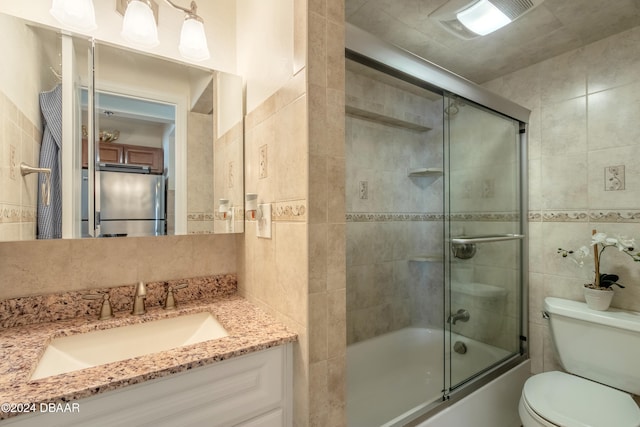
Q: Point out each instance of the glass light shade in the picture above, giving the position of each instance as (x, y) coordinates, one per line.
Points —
(139, 25)
(483, 18)
(77, 14)
(193, 40)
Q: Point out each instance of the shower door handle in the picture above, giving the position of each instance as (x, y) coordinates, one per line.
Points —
(486, 239)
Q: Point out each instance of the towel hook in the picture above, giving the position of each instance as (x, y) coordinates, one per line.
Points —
(25, 169)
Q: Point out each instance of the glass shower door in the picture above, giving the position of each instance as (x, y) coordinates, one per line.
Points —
(484, 232)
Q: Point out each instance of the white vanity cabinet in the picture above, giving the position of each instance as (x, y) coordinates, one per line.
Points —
(254, 390)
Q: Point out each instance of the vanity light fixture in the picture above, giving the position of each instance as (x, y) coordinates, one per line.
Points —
(76, 14)
(193, 40)
(139, 27)
(139, 24)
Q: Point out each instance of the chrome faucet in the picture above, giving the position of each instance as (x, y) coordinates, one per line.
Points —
(461, 315)
(138, 299)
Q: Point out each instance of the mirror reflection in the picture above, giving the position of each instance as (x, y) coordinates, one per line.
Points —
(169, 127)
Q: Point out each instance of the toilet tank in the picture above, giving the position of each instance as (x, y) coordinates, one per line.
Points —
(603, 346)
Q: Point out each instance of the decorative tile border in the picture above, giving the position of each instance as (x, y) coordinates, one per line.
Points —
(294, 210)
(486, 216)
(15, 214)
(387, 217)
(201, 216)
(621, 216)
(470, 216)
(565, 216)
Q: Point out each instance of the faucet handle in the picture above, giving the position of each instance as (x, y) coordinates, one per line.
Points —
(139, 295)
(141, 290)
(106, 312)
(170, 301)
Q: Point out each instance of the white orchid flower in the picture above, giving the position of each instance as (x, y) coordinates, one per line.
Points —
(598, 238)
(624, 243)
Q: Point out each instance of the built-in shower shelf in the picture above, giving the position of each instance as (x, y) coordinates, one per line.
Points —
(384, 119)
(426, 172)
(427, 258)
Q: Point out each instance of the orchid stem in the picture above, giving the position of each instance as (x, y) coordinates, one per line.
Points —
(596, 257)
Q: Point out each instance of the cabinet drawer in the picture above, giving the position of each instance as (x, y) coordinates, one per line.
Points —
(227, 393)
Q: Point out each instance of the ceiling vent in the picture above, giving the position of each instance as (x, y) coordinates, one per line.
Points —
(453, 13)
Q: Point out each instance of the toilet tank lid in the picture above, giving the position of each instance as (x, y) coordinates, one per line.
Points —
(616, 318)
(568, 400)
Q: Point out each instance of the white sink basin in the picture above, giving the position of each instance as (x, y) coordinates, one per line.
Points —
(72, 353)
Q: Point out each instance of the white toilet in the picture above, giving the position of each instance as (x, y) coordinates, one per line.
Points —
(597, 348)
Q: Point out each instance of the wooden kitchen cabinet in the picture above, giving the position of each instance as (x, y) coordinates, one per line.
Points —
(146, 156)
(109, 153)
(128, 154)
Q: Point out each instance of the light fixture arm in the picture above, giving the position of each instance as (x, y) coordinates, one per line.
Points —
(191, 13)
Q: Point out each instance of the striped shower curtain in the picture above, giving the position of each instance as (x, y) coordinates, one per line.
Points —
(50, 217)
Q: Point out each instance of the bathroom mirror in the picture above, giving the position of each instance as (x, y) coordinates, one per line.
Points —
(182, 122)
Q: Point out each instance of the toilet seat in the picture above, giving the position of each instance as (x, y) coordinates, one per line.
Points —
(566, 400)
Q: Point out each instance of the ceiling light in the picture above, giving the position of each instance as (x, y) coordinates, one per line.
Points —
(469, 19)
(483, 18)
(77, 14)
(139, 24)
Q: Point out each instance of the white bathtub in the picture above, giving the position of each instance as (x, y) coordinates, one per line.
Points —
(394, 375)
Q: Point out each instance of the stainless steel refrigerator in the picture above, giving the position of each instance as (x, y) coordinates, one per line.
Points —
(131, 203)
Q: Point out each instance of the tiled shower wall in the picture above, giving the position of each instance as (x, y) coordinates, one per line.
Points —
(392, 217)
(585, 104)
(483, 171)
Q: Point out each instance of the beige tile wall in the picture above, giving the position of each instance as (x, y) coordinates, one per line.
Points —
(584, 105)
(327, 269)
(19, 142)
(273, 272)
(228, 179)
(386, 291)
(299, 275)
(200, 203)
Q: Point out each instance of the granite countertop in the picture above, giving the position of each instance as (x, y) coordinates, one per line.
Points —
(21, 347)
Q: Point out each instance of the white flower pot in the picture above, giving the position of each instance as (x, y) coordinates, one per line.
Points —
(598, 299)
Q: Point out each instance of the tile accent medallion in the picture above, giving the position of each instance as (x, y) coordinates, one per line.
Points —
(614, 178)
